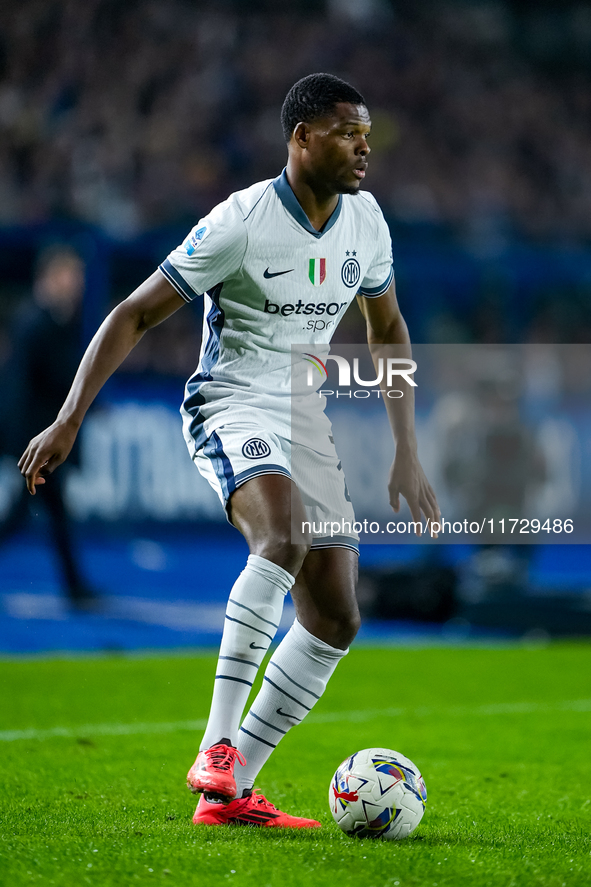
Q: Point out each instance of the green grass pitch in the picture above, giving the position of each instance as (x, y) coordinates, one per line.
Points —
(94, 753)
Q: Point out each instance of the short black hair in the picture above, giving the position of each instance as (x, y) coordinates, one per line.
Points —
(313, 97)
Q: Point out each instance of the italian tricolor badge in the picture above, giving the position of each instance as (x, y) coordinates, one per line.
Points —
(317, 271)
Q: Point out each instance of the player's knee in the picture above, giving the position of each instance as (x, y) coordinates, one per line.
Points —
(281, 550)
(346, 627)
(338, 629)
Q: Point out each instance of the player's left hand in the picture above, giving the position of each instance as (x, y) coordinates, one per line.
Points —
(45, 452)
(408, 479)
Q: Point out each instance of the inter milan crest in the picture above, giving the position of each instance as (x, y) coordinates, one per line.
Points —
(350, 272)
(317, 271)
(255, 448)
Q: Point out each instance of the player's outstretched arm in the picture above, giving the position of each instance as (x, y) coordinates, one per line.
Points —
(150, 304)
(386, 326)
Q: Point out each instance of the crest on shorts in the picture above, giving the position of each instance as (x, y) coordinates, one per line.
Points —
(256, 448)
(317, 271)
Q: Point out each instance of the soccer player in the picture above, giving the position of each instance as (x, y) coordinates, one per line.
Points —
(278, 263)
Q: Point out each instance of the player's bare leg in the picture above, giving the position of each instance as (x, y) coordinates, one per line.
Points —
(324, 596)
(263, 510)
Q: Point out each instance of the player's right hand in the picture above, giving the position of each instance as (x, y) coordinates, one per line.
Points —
(45, 452)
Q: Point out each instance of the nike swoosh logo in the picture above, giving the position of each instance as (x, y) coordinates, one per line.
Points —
(269, 274)
(253, 646)
(286, 714)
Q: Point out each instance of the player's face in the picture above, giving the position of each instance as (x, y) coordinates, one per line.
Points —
(338, 148)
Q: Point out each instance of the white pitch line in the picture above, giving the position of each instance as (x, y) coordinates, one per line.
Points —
(360, 715)
(101, 730)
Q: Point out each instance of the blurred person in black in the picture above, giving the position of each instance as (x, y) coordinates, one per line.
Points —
(45, 349)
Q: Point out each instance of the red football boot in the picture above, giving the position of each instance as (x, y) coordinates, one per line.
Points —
(213, 771)
(254, 810)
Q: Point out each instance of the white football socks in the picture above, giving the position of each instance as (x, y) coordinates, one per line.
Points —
(295, 679)
(252, 616)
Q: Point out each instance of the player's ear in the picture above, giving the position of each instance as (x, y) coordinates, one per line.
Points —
(301, 135)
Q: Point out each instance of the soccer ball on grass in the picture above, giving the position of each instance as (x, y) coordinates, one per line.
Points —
(377, 793)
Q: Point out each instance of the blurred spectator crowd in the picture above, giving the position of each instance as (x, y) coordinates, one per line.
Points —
(132, 114)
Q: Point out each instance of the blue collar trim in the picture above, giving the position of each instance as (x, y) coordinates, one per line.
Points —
(291, 204)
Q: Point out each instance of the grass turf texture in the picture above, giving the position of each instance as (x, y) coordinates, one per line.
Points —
(501, 735)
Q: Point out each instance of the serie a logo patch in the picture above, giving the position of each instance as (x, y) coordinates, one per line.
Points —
(194, 239)
(256, 448)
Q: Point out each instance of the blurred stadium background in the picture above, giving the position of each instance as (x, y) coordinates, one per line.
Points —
(121, 123)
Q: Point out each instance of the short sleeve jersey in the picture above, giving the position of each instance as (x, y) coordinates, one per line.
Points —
(270, 281)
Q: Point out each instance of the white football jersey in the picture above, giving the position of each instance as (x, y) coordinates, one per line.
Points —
(270, 281)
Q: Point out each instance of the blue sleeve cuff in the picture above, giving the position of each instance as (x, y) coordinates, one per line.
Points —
(372, 292)
(184, 290)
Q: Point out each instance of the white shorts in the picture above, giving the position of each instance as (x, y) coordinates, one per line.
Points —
(237, 453)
